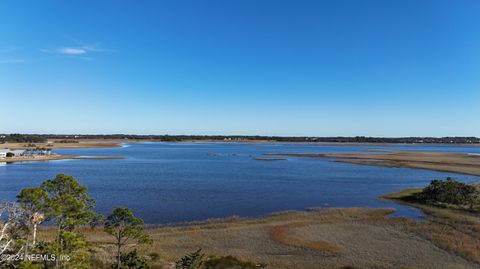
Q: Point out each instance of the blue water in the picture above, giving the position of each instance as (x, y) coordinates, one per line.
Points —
(177, 182)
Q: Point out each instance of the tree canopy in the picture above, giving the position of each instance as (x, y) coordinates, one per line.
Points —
(450, 191)
(68, 203)
(124, 226)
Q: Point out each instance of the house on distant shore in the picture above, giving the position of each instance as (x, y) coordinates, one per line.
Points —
(18, 152)
(4, 153)
(37, 152)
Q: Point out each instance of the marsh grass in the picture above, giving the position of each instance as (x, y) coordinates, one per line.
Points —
(317, 238)
(450, 228)
(284, 235)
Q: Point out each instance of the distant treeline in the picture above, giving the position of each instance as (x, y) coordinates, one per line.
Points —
(38, 138)
(23, 138)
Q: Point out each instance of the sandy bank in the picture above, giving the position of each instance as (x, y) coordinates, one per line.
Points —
(79, 143)
(438, 161)
(270, 159)
(54, 157)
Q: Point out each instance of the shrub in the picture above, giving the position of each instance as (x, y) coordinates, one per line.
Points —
(191, 261)
(450, 191)
(230, 262)
(195, 260)
(154, 256)
(132, 260)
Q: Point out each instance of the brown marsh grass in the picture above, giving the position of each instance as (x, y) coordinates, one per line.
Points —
(318, 238)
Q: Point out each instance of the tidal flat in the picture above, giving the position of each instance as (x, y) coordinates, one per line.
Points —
(462, 163)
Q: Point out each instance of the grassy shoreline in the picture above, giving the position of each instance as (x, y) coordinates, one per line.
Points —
(321, 238)
(452, 228)
(437, 161)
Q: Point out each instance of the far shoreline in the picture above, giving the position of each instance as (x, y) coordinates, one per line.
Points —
(117, 143)
(360, 159)
(56, 157)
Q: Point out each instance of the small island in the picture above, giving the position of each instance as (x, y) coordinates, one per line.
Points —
(270, 159)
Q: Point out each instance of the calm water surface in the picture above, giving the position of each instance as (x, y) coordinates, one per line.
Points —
(176, 182)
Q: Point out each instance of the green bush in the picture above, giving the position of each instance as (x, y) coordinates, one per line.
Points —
(195, 260)
(192, 260)
(132, 260)
(450, 192)
(230, 262)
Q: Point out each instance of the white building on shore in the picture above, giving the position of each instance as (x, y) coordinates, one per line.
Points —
(15, 153)
(18, 152)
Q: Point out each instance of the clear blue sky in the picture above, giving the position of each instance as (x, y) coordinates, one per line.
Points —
(318, 68)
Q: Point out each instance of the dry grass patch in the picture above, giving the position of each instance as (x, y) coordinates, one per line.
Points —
(455, 230)
(439, 161)
(283, 234)
(319, 238)
(452, 235)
